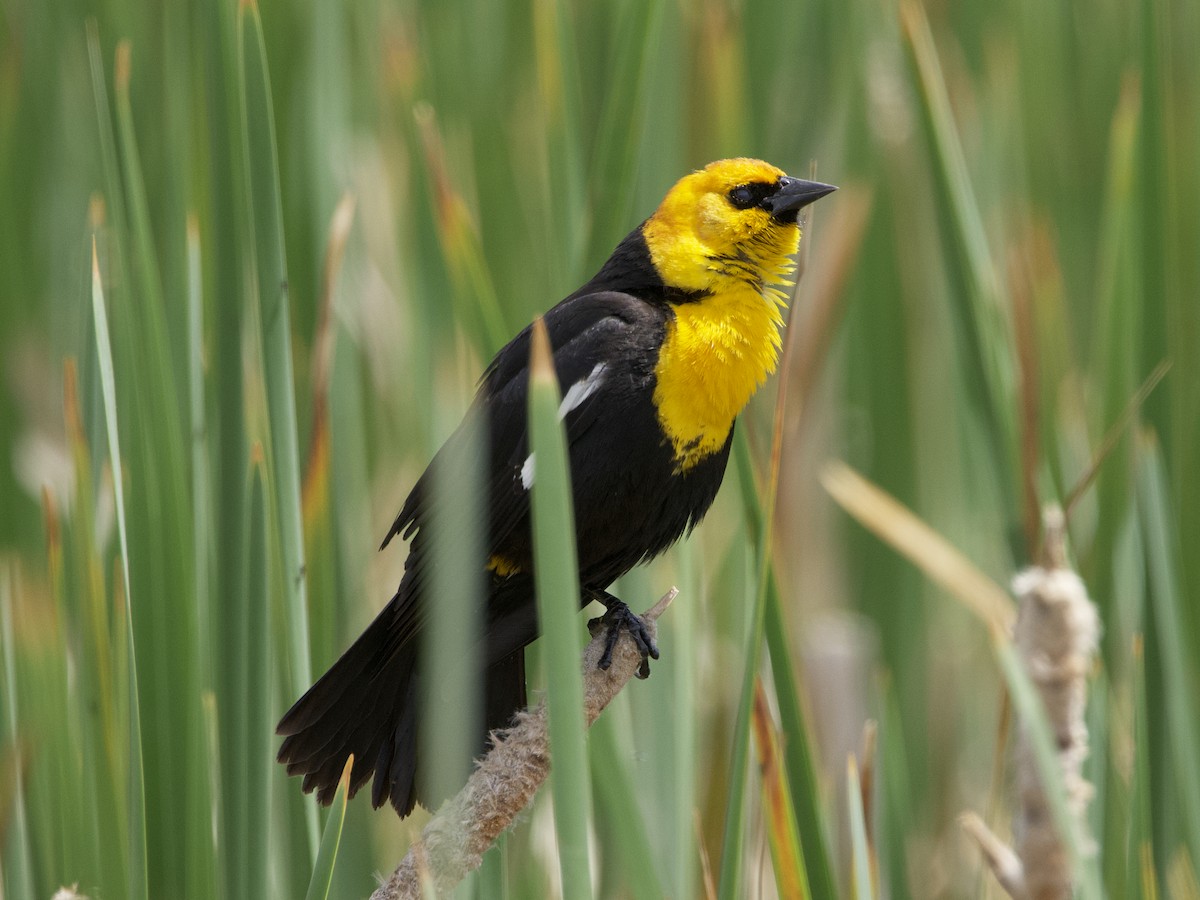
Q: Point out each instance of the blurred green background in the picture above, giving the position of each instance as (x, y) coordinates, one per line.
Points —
(310, 239)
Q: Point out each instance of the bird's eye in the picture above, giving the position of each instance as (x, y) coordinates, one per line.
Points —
(743, 197)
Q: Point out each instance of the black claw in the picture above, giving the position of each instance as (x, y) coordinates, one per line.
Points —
(619, 616)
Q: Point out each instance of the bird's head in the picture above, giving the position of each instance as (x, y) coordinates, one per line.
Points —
(734, 221)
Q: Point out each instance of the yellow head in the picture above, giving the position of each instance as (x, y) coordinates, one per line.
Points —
(731, 224)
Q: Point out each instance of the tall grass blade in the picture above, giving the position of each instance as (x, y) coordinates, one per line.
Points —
(623, 121)
(1156, 195)
(1179, 676)
(110, 166)
(557, 579)
(202, 858)
(257, 759)
(224, 239)
(59, 833)
(159, 519)
(202, 520)
(798, 757)
(322, 876)
(458, 233)
(16, 873)
(1139, 866)
(262, 170)
(97, 724)
(860, 848)
(897, 807)
(981, 324)
(683, 638)
(556, 53)
(146, 275)
(782, 831)
(1112, 359)
(452, 636)
(631, 871)
(492, 883)
(1105, 782)
(733, 836)
(321, 523)
(797, 749)
(245, 761)
(138, 874)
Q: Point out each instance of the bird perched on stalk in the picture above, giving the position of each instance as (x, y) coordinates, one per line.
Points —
(656, 355)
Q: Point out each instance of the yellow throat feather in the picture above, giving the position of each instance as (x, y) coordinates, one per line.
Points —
(720, 348)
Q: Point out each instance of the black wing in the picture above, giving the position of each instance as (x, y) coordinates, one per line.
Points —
(616, 331)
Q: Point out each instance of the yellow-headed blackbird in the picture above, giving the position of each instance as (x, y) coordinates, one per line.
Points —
(656, 355)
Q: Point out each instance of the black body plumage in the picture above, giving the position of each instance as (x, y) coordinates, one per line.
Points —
(630, 504)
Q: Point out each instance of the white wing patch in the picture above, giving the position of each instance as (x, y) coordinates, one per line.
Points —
(572, 399)
(581, 390)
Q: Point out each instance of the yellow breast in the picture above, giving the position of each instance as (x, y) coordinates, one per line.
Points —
(717, 352)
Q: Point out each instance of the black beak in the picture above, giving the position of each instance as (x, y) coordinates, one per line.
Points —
(792, 195)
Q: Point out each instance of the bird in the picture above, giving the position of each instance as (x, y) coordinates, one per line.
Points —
(656, 355)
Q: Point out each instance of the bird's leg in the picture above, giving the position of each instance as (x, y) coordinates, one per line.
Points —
(619, 616)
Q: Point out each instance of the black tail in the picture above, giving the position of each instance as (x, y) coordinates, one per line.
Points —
(367, 704)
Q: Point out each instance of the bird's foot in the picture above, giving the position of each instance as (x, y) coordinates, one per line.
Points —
(619, 616)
